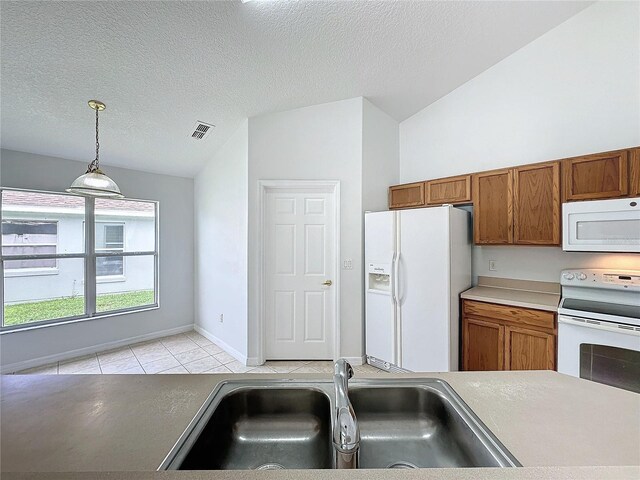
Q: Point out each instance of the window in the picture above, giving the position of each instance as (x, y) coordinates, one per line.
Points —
(88, 244)
(29, 237)
(109, 238)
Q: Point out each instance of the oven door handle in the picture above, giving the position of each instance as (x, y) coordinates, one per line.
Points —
(608, 326)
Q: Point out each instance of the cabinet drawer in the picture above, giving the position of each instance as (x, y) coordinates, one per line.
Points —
(449, 190)
(514, 315)
(408, 195)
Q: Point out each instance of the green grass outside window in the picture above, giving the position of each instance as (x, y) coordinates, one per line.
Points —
(22, 313)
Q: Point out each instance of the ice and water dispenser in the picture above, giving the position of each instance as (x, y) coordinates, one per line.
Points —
(380, 277)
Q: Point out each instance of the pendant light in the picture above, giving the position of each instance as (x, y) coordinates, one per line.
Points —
(94, 183)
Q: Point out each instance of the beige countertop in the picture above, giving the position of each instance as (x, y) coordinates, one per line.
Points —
(518, 293)
(526, 473)
(128, 423)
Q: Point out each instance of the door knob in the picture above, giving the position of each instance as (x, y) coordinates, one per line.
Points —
(328, 283)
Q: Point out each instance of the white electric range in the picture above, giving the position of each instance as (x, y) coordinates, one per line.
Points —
(599, 326)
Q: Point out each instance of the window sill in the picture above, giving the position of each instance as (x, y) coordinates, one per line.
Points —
(111, 279)
(68, 321)
(30, 272)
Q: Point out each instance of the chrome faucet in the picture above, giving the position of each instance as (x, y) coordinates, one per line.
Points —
(346, 434)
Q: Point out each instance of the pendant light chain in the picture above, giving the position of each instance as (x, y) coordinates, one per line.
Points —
(94, 183)
(97, 140)
(95, 165)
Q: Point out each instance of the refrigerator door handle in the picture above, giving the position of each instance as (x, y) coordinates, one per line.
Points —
(399, 286)
(398, 323)
(393, 281)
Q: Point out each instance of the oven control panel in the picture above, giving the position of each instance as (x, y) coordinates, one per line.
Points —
(601, 278)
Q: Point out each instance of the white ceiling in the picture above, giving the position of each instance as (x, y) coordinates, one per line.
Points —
(160, 66)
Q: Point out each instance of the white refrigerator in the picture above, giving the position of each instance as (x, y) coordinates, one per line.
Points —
(417, 263)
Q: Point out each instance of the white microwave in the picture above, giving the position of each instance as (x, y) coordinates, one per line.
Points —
(601, 226)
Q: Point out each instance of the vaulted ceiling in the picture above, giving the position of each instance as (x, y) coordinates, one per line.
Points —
(162, 66)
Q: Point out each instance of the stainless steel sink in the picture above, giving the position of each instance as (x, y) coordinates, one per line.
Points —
(261, 429)
(422, 427)
(273, 424)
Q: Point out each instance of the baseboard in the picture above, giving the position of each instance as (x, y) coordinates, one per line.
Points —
(221, 343)
(254, 362)
(59, 357)
(356, 360)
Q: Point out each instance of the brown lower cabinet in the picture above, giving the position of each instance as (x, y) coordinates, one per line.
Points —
(527, 349)
(500, 337)
(483, 344)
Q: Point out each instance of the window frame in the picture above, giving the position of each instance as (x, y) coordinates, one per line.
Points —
(89, 256)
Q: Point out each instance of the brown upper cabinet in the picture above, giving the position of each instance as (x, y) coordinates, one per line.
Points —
(519, 206)
(493, 207)
(634, 172)
(536, 201)
(453, 190)
(407, 195)
(593, 177)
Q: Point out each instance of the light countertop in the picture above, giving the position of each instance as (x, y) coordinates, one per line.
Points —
(92, 423)
(527, 473)
(517, 293)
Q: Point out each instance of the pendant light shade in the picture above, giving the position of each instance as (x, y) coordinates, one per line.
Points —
(94, 183)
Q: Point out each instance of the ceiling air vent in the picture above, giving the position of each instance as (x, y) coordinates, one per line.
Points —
(201, 130)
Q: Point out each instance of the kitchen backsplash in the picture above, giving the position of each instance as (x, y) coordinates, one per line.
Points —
(543, 263)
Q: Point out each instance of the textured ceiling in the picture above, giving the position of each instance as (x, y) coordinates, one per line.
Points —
(160, 66)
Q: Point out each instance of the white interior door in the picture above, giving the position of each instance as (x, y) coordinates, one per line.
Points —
(300, 274)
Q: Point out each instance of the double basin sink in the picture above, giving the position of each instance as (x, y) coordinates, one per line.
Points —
(287, 424)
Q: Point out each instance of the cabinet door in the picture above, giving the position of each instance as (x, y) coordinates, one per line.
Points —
(408, 195)
(483, 343)
(634, 172)
(493, 207)
(453, 190)
(536, 204)
(604, 175)
(529, 349)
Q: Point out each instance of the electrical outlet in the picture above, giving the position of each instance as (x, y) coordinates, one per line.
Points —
(222, 318)
(347, 264)
(492, 265)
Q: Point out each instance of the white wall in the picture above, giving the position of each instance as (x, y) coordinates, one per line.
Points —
(573, 91)
(380, 151)
(319, 142)
(175, 195)
(221, 243)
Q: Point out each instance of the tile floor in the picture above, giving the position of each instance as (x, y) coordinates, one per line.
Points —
(185, 353)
